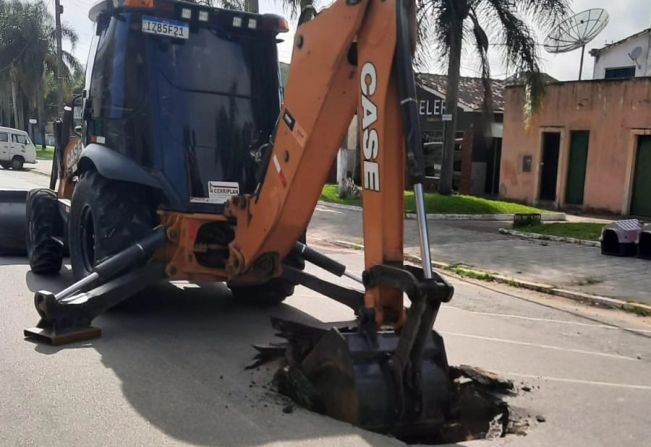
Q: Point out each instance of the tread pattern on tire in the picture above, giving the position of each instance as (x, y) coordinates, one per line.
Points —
(122, 214)
(44, 222)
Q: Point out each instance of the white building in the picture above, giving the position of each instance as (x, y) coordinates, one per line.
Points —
(627, 58)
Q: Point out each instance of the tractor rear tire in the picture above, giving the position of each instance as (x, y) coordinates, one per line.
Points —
(5, 164)
(272, 292)
(44, 232)
(106, 217)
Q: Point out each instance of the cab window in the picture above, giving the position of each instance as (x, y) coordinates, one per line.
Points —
(22, 139)
(4, 137)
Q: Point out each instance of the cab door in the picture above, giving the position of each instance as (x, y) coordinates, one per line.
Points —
(4, 146)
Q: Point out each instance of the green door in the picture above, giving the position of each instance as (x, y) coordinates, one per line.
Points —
(576, 167)
(641, 201)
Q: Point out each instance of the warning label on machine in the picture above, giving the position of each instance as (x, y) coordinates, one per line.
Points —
(219, 192)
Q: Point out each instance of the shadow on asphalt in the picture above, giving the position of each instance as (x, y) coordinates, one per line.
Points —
(180, 356)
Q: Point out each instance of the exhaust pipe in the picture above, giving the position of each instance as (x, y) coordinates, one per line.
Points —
(13, 222)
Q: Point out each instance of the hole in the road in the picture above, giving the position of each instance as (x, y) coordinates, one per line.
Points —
(336, 373)
(477, 410)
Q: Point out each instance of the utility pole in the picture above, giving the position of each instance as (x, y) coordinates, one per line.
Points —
(58, 10)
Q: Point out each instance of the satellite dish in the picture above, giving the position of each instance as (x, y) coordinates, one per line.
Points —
(635, 55)
(576, 32)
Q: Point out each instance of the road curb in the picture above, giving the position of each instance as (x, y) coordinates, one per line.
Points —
(545, 237)
(546, 217)
(482, 275)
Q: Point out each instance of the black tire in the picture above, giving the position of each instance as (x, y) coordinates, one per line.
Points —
(5, 164)
(105, 218)
(273, 292)
(17, 163)
(44, 224)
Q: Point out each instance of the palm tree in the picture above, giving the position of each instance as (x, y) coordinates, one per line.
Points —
(296, 6)
(448, 23)
(240, 5)
(28, 54)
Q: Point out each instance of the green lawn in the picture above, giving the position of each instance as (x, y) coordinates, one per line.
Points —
(585, 231)
(438, 204)
(46, 154)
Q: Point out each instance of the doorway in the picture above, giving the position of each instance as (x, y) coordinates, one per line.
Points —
(551, 144)
(493, 168)
(576, 168)
(641, 199)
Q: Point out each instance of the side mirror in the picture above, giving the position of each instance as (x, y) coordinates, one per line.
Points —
(77, 114)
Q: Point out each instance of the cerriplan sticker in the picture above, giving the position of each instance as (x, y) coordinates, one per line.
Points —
(219, 192)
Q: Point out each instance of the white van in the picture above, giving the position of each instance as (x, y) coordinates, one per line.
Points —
(15, 148)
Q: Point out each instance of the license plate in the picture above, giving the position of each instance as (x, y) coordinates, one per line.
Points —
(164, 27)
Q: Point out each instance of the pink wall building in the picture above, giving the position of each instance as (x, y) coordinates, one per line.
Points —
(589, 146)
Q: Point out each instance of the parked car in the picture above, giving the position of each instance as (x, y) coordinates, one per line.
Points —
(16, 148)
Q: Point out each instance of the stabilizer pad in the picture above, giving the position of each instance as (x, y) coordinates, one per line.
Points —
(51, 337)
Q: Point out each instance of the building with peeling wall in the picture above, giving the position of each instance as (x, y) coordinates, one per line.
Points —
(589, 147)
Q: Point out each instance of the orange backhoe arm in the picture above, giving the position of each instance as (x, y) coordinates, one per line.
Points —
(342, 60)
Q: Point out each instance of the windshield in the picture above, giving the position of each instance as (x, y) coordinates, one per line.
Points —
(199, 63)
(213, 97)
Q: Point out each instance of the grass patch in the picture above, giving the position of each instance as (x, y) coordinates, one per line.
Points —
(465, 272)
(45, 154)
(589, 281)
(438, 204)
(639, 311)
(330, 194)
(577, 230)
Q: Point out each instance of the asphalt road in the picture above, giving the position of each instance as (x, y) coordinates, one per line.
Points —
(169, 369)
(28, 178)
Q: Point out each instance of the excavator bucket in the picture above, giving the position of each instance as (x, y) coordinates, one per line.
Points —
(382, 379)
(349, 375)
(13, 222)
(358, 384)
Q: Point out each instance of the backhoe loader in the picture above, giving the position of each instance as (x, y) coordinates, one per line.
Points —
(184, 159)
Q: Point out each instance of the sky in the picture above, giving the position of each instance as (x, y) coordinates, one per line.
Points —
(626, 17)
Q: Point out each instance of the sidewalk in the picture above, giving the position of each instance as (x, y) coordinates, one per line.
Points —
(478, 244)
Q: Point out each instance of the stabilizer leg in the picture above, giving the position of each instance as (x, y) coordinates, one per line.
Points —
(67, 315)
(68, 319)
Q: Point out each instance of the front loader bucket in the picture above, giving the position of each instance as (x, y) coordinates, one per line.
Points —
(13, 222)
(355, 382)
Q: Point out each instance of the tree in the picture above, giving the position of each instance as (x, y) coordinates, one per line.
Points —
(239, 5)
(296, 6)
(28, 61)
(448, 23)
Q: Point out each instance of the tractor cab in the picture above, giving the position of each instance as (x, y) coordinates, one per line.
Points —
(180, 96)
